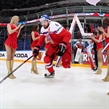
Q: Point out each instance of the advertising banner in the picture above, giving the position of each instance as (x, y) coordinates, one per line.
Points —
(23, 55)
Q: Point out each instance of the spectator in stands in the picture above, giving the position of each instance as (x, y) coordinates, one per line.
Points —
(67, 27)
(11, 42)
(87, 28)
(78, 35)
(34, 40)
(91, 28)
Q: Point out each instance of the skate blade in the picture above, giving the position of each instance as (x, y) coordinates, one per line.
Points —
(49, 76)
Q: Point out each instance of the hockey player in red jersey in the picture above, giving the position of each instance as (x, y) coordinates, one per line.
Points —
(60, 46)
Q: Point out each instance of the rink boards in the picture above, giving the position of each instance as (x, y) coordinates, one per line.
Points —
(20, 56)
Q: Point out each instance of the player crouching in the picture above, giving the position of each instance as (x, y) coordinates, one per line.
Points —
(60, 44)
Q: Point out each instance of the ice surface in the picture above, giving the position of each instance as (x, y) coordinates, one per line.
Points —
(73, 88)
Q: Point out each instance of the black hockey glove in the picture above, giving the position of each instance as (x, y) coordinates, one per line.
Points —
(36, 51)
(61, 48)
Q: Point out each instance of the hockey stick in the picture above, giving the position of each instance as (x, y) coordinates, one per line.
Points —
(58, 61)
(15, 69)
(105, 48)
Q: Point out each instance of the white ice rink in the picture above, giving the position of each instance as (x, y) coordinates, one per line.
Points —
(74, 88)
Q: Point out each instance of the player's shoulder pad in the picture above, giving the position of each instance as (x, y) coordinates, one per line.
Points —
(56, 24)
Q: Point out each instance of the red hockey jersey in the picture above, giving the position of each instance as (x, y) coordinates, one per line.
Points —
(55, 32)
